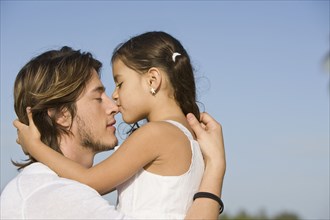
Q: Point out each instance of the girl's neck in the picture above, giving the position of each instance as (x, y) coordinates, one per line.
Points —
(167, 113)
(168, 110)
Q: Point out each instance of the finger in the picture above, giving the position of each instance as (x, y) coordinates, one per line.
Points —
(17, 124)
(209, 121)
(29, 114)
(206, 118)
(194, 123)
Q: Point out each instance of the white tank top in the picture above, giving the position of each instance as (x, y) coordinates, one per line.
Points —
(148, 195)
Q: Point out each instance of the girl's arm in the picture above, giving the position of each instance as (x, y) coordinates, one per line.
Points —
(103, 177)
(210, 138)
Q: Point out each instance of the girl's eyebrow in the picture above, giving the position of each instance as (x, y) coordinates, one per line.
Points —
(116, 76)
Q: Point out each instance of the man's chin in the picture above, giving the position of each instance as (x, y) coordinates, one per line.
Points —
(98, 147)
(104, 149)
(107, 147)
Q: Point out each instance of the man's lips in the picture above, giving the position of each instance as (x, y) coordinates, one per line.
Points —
(111, 124)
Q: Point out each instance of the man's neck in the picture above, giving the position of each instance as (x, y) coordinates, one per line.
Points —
(76, 152)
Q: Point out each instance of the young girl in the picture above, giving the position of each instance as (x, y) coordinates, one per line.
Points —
(158, 168)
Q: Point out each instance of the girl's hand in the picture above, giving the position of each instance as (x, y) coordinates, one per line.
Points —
(27, 135)
(210, 138)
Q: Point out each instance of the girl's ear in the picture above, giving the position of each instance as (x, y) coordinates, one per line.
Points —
(62, 118)
(154, 77)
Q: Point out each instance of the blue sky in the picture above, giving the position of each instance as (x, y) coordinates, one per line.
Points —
(259, 69)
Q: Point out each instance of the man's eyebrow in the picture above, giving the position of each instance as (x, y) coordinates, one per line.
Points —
(99, 89)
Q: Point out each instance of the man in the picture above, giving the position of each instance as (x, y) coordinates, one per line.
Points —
(76, 118)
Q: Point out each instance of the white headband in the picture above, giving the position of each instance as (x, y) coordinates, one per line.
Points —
(175, 54)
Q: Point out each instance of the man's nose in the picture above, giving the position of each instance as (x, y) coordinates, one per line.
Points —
(112, 107)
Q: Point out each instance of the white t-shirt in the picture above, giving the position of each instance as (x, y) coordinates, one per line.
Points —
(38, 193)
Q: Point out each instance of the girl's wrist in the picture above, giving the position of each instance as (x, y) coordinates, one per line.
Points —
(218, 166)
(213, 179)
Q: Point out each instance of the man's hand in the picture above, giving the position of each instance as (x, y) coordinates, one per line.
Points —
(209, 136)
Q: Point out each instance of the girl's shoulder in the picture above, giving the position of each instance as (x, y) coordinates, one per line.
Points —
(151, 130)
(159, 131)
(157, 127)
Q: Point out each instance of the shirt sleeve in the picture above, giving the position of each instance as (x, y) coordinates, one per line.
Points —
(68, 201)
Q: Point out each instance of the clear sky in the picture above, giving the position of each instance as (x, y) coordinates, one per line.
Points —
(260, 72)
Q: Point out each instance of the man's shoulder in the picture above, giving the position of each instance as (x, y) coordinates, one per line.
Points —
(35, 169)
(29, 178)
(37, 190)
(38, 178)
(74, 199)
(44, 177)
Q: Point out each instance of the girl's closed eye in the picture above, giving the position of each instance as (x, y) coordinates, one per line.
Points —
(119, 84)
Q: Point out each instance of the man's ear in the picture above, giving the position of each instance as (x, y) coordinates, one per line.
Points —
(62, 118)
(154, 77)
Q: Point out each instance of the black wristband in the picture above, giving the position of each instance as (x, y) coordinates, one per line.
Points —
(210, 196)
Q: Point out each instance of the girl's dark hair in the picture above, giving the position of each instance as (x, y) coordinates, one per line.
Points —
(155, 49)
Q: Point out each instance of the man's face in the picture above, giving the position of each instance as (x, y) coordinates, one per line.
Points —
(94, 123)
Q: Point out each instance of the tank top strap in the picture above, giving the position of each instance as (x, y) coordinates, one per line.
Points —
(182, 128)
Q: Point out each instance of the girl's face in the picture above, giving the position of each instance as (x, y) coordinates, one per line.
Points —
(131, 92)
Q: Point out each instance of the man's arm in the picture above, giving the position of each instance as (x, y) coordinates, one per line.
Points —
(209, 136)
